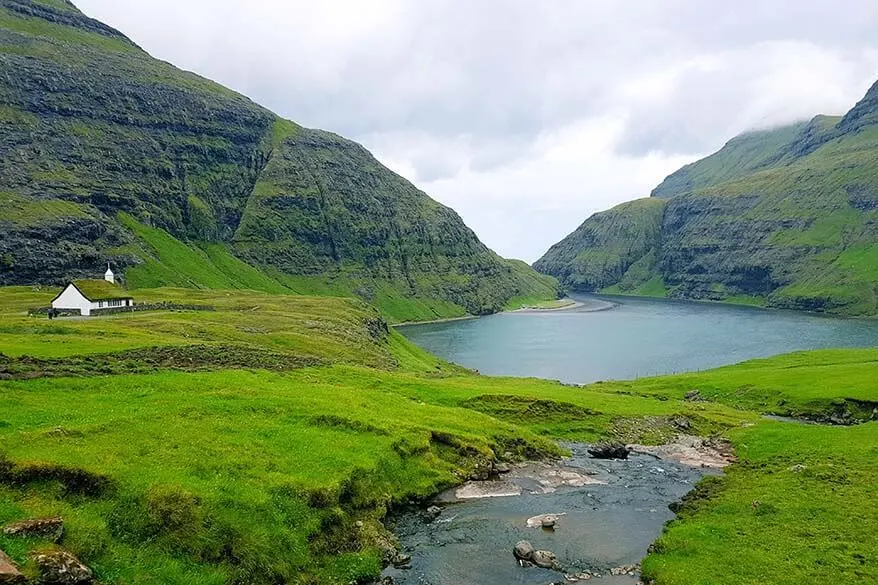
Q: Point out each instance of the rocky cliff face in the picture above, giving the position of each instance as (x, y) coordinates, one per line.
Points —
(91, 126)
(603, 250)
(786, 217)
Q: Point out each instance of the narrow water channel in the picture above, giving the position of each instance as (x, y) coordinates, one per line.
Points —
(610, 511)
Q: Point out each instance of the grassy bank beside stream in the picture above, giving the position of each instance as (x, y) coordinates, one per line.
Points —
(264, 441)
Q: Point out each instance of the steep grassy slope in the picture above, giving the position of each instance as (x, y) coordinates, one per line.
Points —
(746, 154)
(107, 154)
(786, 217)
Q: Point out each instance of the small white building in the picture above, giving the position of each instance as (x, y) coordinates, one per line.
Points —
(88, 296)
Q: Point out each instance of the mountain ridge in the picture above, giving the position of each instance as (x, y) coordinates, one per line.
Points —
(785, 217)
(94, 127)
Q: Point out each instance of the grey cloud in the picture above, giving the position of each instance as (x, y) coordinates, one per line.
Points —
(495, 70)
(761, 86)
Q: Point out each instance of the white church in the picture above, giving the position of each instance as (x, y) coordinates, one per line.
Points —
(88, 296)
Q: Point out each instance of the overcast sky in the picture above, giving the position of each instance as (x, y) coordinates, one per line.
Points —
(526, 117)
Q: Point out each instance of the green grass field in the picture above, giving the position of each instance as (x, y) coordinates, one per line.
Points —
(799, 507)
(178, 472)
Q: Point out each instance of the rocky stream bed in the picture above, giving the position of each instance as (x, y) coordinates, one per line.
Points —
(597, 518)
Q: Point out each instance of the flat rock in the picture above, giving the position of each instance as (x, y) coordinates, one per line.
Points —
(62, 568)
(51, 529)
(9, 573)
(544, 520)
(487, 489)
(692, 451)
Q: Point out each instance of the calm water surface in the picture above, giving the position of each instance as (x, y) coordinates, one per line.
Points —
(637, 337)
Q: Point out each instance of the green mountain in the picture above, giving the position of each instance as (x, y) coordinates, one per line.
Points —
(109, 155)
(785, 217)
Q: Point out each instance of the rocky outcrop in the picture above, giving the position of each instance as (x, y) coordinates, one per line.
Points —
(51, 529)
(62, 568)
(864, 114)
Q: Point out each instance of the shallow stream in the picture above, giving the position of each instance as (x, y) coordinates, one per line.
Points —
(612, 511)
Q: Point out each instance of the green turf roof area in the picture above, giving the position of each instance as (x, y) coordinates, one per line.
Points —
(99, 290)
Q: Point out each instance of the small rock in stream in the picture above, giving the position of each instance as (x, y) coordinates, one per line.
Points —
(609, 451)
(402, 561)
(527, 556)
(523, 551)
(433, 512)
(545, 559)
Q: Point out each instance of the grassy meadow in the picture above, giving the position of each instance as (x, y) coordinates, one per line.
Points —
(189, 468)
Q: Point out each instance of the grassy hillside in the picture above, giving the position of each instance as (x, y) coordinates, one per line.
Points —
(109, 155)
(746, 154)
(813, 384)
(784, 217)
(264, 441)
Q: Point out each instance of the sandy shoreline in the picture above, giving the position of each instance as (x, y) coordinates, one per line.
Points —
(568, 307)
(574, 305)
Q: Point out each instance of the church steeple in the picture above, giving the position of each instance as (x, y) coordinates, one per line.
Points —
(109, 276)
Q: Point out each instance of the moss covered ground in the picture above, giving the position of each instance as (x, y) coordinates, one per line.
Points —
(280, 470)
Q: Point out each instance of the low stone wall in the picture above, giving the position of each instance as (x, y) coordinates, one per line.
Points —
(152, 307)
(44, 311)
